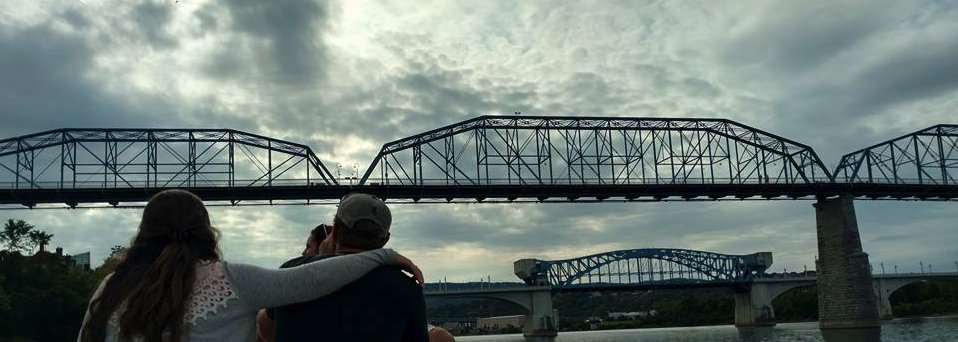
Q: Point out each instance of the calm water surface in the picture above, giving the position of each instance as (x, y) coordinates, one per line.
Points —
(936, 329)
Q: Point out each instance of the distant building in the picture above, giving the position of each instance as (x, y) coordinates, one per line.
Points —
(501, 322)
(82, 260)
(632, 315)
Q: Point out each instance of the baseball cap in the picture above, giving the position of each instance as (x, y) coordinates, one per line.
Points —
(358, 206)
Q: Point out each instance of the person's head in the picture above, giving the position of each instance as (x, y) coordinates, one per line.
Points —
(315, 238)
(362, 222)
(154, 279)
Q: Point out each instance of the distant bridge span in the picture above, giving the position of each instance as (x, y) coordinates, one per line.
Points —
(488, 158)
(645, 268)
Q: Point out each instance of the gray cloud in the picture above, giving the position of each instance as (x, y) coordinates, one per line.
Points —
(833, 72)
(152, 18)
(76, 18)
(46, 84)
(285, 38)
(910, 75)
(796, 37)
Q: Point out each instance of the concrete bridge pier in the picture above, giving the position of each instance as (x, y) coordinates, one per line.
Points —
(541, 322)
(883, 288)
(884, 309)
(845, 296)
(753, 307)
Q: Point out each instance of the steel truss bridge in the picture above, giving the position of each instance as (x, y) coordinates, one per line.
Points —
(488, 158)
(644, 269)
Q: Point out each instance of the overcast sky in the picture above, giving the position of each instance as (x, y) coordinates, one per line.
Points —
(344, 77)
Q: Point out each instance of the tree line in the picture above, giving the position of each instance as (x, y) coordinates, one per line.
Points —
(43, 295)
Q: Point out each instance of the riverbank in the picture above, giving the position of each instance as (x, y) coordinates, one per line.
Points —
(697, 307)
(939, 328)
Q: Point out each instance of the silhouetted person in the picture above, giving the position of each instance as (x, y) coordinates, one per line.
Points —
(384, 305)
(316, 244)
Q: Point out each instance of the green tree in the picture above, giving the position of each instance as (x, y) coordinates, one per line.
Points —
(42, 296)
(16, 234)
(39, 239)
(20, 236)
(4, 297)
(116, 251)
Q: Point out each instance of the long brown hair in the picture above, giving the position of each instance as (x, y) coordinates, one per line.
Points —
(152, 284)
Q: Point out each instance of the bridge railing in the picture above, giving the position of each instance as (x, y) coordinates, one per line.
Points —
(572, 181)
(100, 184)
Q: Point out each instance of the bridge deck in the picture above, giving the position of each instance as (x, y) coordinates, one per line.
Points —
(550, 193)
(639, 287)
(929, 275)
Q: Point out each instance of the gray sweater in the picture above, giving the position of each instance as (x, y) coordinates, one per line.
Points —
(227, 296)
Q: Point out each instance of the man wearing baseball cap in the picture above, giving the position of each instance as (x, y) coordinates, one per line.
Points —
(384, 305)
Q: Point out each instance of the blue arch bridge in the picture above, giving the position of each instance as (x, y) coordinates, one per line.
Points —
(645, 268)
(509, 159)
(666, 268)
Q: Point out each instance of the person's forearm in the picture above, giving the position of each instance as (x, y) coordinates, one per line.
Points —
(263, 288)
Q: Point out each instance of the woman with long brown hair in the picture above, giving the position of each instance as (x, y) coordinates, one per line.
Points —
(172, 284)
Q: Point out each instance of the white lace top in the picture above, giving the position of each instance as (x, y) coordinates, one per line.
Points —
(226, 296)
(211, 291)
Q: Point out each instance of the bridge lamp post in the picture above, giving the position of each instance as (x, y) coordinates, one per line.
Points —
(883, 268)
(896, 269)
(339, 168)
(921, 264)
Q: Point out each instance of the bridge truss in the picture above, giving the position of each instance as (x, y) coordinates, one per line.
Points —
(644, 268)
(77, 165)
(925, 157)
(488, 158)
(532, 150)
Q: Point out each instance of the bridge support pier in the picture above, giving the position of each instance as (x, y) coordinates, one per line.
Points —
(753, 308)
(845, 296)
(884, 287)
(884, 309)
(541, 320)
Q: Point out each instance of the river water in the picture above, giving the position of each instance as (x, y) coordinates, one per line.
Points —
(936, 329)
